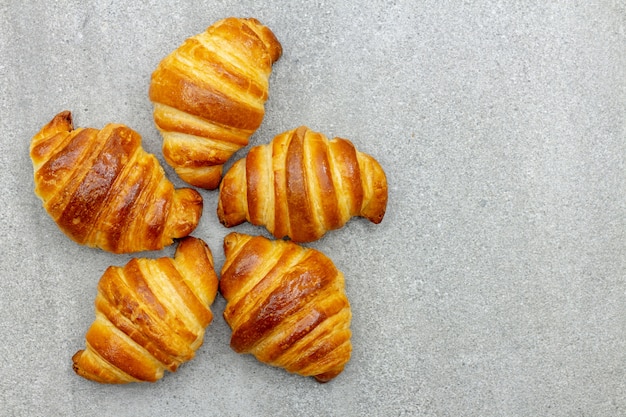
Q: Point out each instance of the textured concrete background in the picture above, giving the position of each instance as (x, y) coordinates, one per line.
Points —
(496, 284)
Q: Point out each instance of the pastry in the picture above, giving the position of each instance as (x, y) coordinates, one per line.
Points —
(286, 305)
(103, 190)
(209, 96)
(151, 315)
(302, 185)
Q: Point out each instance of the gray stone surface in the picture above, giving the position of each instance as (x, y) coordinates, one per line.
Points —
(496, 284)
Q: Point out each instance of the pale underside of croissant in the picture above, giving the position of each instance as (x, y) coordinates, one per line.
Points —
(103, 190)
(286, 305)
(151, 315)
(209, 96)
(302, 185)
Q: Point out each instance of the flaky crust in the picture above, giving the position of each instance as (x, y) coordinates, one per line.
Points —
(151, 315)
(209, 96)
(286, 305)
(302, 185)
(103, 190)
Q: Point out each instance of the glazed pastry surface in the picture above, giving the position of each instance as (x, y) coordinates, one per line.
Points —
(286, 305)
(209, 96)
(151, 315)
(302, 185)
(103, 190)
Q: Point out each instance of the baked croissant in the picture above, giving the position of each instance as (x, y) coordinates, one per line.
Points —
(103, 190)
(151, 315)
(302, 185)
(209, 96)
(286, 305)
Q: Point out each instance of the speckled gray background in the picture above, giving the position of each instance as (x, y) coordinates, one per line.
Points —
(496, 284)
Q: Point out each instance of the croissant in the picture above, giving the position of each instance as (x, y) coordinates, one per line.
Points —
(209, 96)
(286, 305)
(151, 315)
(302, 185)
(103, 190)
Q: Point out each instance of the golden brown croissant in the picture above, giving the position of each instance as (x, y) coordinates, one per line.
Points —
(103, 190)
(209, 96)
(302, 185)
(286, 305)
(151, 315)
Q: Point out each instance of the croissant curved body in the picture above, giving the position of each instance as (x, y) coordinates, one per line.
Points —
(103, 190)
(302, 185)
(151, 315)
(209, 96)
(286, 305)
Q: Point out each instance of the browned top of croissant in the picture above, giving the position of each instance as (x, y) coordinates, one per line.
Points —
(286, 305)
(151, 315)
(103, 190)
(209, 96)
(302, 185)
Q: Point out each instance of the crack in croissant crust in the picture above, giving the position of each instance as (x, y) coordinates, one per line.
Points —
(151, 315)
(302, 185)
(103, 190)
(209, 96)
(286, 305)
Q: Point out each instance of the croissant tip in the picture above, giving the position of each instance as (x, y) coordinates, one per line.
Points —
(63, 119)
(378, 218)
(268, 37)
(65, 114)
(232, 240)
(229, 238)
(75, 359)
